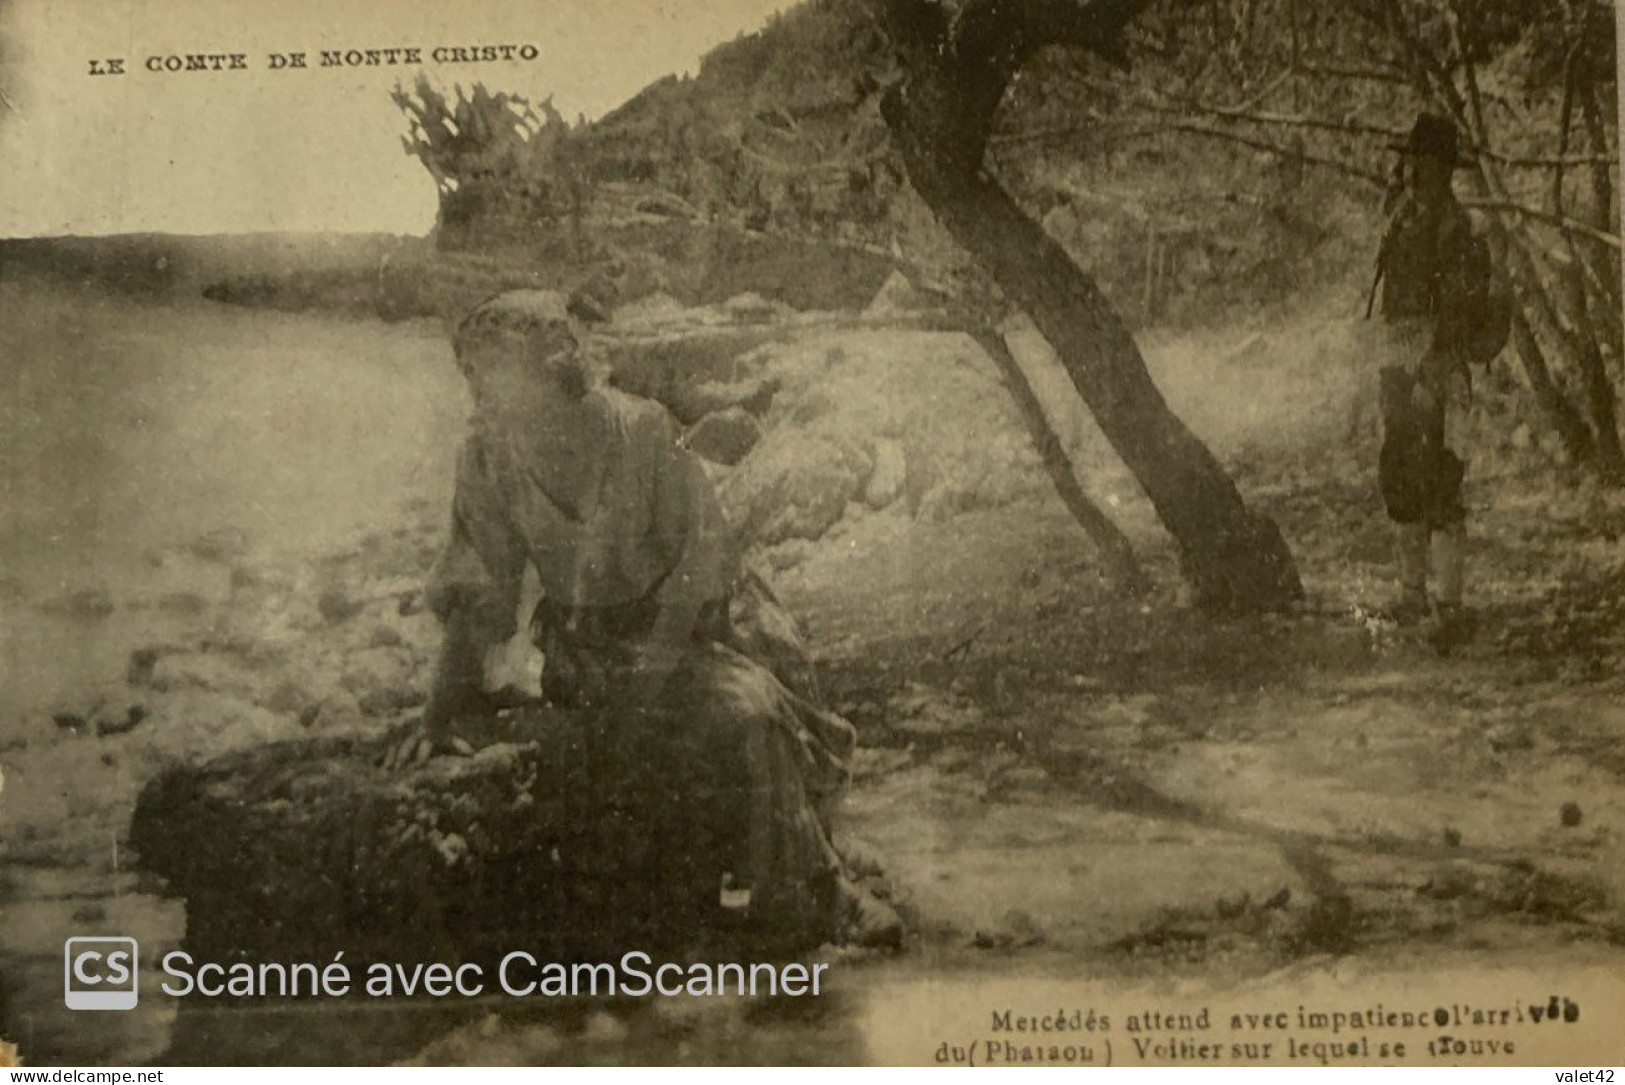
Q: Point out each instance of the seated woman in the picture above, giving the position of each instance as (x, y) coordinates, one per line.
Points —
(645, 613)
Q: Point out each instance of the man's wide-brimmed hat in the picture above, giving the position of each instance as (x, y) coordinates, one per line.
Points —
(1432, 136)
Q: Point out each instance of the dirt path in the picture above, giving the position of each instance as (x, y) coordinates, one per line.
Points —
(1148, 787)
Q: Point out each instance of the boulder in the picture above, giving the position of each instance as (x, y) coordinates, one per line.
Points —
(795, 486)
(336, 605)
(896, 295)
(668, 363)
(650, 307)
(107, 713)
(143, 662)
(564, 834)
(751, 307)
(667, 204)
(874, 419)
(725, 437)
(213, 671)
(690, 403)
(890, 474)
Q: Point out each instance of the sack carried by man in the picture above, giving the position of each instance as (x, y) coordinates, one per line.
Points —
(1483, 305)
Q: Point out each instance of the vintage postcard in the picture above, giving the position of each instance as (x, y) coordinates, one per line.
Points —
(846, 532)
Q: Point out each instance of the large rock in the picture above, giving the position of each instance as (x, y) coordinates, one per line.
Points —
(670, 362)
(212, 671)
(795, 486)
(725, 437)
(882, 417)
(886, 482)
(562, 835)
(690, 403)
(896, 296)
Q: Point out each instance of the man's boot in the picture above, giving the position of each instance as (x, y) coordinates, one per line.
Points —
(1412, 605)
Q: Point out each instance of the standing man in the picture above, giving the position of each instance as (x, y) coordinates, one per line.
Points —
(1435, 276)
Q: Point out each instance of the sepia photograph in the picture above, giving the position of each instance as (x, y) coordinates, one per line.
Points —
(811, 533)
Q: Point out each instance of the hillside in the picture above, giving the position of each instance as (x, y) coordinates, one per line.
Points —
(778, 136)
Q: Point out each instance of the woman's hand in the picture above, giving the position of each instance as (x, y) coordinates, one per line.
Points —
(458, 689)
(422, 741)
(418, 746)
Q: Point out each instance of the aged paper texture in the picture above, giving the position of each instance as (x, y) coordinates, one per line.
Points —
(1055, 532)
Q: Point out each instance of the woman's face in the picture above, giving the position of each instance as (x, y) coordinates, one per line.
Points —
(510, 375)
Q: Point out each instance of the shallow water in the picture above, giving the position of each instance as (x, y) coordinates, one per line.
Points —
(148, 453)
(131, 430)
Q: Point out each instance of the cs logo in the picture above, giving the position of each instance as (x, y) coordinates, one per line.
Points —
(99, 973)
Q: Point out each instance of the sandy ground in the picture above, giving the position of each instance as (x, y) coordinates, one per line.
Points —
(1065, 784)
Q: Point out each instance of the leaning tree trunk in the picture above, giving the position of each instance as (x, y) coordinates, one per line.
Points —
(1116, 552)
(940, 118)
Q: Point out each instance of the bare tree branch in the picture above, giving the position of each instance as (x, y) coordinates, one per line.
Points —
(1160, 103)
(1566, 225)
(1115, 549)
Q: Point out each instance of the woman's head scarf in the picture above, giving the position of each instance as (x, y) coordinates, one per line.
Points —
(542, 319)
